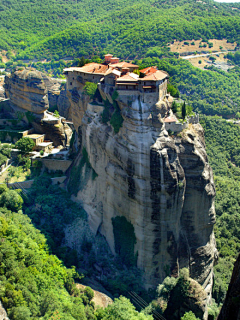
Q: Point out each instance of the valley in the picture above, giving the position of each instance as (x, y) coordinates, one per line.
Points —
(119, 183)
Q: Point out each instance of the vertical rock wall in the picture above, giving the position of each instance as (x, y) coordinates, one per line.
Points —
(163, 185)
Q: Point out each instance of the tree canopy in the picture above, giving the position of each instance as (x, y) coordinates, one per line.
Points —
(25, 144)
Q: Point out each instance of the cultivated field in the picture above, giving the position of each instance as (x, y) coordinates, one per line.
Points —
(195, 45)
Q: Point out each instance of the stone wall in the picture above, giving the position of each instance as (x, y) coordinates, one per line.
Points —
(194, 119)
(54, 164)
(28, 183)
(176, 127)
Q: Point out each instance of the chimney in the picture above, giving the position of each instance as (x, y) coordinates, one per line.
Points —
(108, 58)
(125, 70)
(114, 60)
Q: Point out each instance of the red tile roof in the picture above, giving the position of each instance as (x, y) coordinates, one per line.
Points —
(123, 64)
(158, 75)
(92, 68)
(128, 77)
(149, 70)
(170, 119)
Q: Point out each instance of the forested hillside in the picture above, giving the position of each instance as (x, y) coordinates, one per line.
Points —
(34, 284)
(129, 32)
(211, 92)
(222, 141)
(60, 29)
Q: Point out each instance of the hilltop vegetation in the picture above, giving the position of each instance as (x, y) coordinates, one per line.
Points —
(57, 29)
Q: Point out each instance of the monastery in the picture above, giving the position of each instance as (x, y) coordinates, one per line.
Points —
(149, 83)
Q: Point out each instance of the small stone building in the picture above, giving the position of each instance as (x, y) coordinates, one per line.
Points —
(40, 143)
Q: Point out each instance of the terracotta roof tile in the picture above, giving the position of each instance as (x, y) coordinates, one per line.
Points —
(158, 75)
(128, 77)
(149, 70)
(93, 68)
(123, 64)
(170, 119)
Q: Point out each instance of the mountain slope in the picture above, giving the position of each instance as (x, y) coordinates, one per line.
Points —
(58, 29)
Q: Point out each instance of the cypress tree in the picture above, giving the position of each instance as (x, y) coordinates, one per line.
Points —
(184, 110)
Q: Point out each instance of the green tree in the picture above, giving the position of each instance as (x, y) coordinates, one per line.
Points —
(184, 111)
(25, 145)
(172, 90)
(90, 89)
(189, 316)
(11, 200)
(121, 309)
(174, 107)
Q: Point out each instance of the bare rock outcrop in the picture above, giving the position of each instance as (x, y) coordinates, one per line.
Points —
(3, 313)
(163, 186)
(231, 305)
(64, 105)
(31, 91)
(26, 89)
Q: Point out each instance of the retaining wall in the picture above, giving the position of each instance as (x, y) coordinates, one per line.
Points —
(54, 165)
(28, 183)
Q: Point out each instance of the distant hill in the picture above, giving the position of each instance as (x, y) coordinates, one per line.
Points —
(130, 29)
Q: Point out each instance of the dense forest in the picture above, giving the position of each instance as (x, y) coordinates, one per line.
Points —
(222, 142)
(34, 283)
(59, 29)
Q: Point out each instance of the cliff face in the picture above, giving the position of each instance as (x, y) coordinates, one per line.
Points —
(3, 313)
(27, 90)
(231, 305)
(31, 90)
(163, 185)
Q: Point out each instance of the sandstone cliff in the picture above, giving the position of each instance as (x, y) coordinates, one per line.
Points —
(27, 90)
(163, 186)
(3, 313)
(231, 305)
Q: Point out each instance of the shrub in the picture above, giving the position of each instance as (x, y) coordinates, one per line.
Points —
(116, 121)
(11, 200)
(25, 145)
(124, 240)
(90, 89)
(189, 316)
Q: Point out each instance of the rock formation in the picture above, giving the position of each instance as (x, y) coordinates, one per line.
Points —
(29, 91)
(163, 185)
(26, 89)
(63, 105)
(186, 296)
(231, 305)
(3, 313)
